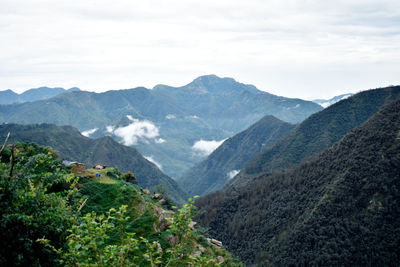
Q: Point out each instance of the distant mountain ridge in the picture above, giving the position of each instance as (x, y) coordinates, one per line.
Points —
(229, 158)
(318, 132)
(164, 123)
(35, 94)
(339, 209)
(72, 146)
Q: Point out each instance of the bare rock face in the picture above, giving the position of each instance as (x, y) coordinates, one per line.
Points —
(162, 218)
(215, 242)
(173, 240)
(162, 201)
(192, 225)
(157, 196)
(220, 259)
(146, 191)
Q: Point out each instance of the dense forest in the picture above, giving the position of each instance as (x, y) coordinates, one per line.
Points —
(339, 209)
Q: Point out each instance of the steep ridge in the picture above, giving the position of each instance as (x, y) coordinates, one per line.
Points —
(225, 162)
(318, 132)
(209, 108)
(73, 146)
(341, 209)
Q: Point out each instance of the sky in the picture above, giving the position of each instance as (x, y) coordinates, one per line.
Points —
(295, 48)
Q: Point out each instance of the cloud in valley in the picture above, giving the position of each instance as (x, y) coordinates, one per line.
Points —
(89, 132)
(232, 174)
(138, 131)
(170, 117)
(151, 159)
(205, 148)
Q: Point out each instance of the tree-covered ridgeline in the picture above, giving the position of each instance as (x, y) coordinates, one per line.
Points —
(338, 209)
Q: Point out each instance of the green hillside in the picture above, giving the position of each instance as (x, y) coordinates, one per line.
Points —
(340, 209)
(214, 172)
(73, 146)
(318, 132)
(209, 108)
(53, 215)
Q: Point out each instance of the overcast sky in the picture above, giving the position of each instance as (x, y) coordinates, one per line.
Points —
(307, 49)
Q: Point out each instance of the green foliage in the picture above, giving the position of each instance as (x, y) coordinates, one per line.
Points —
(41, 221)
(92, 242)
(33, 204)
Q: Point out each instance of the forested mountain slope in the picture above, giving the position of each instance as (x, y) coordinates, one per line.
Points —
(340, 209)
(226, 161)
(73, 146)
(165, 122)
(318, 132)
(54, 215)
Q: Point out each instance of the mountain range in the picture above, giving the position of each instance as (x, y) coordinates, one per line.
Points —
(174, 126)
(230, 157)
(318, 132)
(338, 209)
(73, 146)
(10, 97)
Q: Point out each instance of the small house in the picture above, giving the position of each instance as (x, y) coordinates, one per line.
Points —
(99, 167)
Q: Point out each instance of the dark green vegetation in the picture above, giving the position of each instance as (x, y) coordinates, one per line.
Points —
(10, 97)
(50, 216)
(213, 173)
(75, 147)
(318, 132)
(340, 209)
(209, 108)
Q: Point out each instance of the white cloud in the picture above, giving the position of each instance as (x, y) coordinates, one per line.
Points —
(159, 141)
(193, 117)
(206, 147)
(170, 117)
(130, 118)
(109, 129)
(151, 159)
(89, 132)
(137, 131)
(232, 174)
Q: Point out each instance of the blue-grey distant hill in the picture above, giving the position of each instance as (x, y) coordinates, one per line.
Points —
(166, 122)
(10, 97)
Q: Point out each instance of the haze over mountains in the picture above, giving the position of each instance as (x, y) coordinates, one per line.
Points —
(174, 126)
